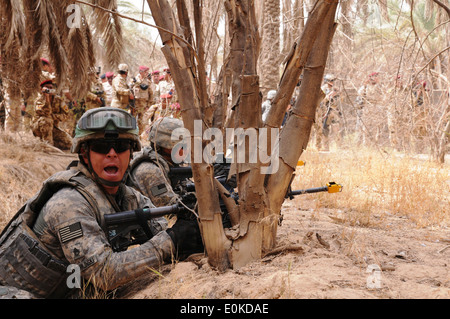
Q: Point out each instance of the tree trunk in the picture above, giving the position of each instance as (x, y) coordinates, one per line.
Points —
(179, 58)
(241, 80)
(301, 119)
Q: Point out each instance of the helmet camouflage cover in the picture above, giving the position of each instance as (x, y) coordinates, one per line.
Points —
(161, 132)
(106, 123)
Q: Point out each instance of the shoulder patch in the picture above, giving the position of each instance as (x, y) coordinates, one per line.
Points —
(70, 232)
(88, 262)
(158, 189)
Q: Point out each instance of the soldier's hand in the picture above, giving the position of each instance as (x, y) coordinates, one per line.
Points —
(186, 237)
(221, 169)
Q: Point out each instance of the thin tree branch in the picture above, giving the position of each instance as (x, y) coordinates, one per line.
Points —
(142, 22)
(443, 6)
(431, 60)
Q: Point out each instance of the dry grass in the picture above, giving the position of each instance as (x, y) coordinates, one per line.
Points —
(25, 162)
(376, 183)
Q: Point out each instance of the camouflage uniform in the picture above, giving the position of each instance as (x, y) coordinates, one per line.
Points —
(421, 119)
(64, 226)
(155, 88)
(70, 229)
(30, 112)
(368, 110)
(107, 88)
(330, 117)
(120, 92)
(48, 116)
(167, 86)
(149, 174)
(94, 94)
(160, 110)
(143, 94)
(265, 107)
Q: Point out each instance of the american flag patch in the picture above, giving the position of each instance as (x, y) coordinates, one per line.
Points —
(70, 232)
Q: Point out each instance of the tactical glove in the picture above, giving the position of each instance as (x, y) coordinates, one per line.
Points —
(221, 169)
(186, 237)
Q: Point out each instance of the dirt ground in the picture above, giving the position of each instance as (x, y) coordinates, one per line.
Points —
(318, 254)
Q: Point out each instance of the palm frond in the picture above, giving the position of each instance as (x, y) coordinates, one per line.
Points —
(12, 12)
(36, 45)
(109, 27)
(56, 46)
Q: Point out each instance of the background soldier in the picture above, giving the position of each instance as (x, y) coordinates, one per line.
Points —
(331, 121)
(162, 109)
(50, 111)
(368, 96)
(267, 104)
(121, 94)
(64, 225)
(143, 94)
(107, 87)
(96, 96)
(149, 170)
(167, 86)
(155, 87)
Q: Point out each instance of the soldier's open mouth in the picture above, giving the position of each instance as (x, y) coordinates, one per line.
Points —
(111, 169)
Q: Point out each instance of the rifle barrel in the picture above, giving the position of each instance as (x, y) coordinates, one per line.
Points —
(309, 190)
(147, 213)
(186, 170)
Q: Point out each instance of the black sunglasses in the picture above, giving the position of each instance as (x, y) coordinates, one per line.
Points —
(104, 146)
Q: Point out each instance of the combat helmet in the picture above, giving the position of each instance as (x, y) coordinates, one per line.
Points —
(271, 94)
(329, 77)
(161, 132)
(106, 123)
(123, 67)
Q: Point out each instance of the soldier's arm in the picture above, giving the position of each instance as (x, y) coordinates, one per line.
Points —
(91, 96)
(151, 181)
(41, 106)
(151, 112)
(121, 88)
(73, 225)
(138, 81)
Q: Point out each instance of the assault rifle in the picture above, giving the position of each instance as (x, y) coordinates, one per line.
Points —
(331, 187)
(130, 228)
(99, 94)
(178, 174)
(132, 104)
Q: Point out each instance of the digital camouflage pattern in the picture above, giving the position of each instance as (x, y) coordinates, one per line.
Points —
(161, 132)
(70, 227)
(149, 175)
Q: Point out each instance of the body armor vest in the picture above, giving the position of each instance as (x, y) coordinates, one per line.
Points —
(25, 263)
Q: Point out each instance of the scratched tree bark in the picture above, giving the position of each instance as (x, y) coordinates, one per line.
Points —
(254, 217)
